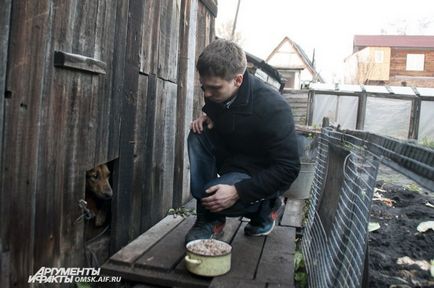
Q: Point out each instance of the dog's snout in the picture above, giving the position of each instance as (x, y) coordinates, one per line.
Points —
(108, 192)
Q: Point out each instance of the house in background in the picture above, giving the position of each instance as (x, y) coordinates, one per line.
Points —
(401, 60)
(293, 64)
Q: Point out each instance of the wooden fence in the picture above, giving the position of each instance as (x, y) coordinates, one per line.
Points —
(298, 100)
(90, 82)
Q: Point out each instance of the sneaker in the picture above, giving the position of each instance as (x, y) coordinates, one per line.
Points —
(262, 227)
(205, 230)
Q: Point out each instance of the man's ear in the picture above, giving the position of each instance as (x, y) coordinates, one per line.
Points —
(238, 80)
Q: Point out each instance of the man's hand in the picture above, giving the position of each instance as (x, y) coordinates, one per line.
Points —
(224, 197)
(197, 125)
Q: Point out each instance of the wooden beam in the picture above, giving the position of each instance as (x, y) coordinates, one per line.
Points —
(412, 160)
(277, 257)
(79, 62)
(310, 107)
(211, 6)
(293, 215)
(139, 246)
(413, 131)
(361, 111)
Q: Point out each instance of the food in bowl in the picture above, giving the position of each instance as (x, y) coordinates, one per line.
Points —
(209, 247)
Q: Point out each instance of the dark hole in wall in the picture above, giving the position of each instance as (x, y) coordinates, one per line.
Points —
(99, 194)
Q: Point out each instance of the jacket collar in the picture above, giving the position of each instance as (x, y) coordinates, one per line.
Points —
(242, 103)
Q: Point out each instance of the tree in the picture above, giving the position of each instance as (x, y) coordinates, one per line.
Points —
(401, 26)
(224, 30)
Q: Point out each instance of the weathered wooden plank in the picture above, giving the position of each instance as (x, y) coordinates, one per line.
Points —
(246, 252)
(231, 228)
(295, 105)
(122, 200)
(79, 62)
(26, 58)
(5, 196)
(158, 256)
(168, 40)
(130, 253)
(223, 282)
(180, 159)
(280, 285)
(48, 220)
(160, 160)
(58, 239)
(157, 277)
(277, 261)
(150, 197)
(5, 269)
(201, 42)
(140, 177)
(150, 43)
(293, 215)
(119, 50)
(190, 90)
(107, 118)
(211, 5)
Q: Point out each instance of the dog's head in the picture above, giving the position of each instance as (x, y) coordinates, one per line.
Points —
(97, 182)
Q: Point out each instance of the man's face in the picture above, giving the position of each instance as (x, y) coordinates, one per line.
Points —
(217, 89)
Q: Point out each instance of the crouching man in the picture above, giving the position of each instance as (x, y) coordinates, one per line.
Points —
(242, 150)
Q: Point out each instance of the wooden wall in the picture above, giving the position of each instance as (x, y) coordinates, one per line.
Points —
(298, 101)
(399, 59)
(132, 104)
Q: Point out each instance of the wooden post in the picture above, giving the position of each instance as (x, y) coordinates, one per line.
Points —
(310, 107)
(413, 131)
(325, 122)
(361, 111)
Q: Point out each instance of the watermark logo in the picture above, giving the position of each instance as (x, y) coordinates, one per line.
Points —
(71, 275)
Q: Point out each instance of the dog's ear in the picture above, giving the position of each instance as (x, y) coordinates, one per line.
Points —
(92, 173)
(104, 170)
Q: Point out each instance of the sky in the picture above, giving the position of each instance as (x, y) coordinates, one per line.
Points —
(328, 26)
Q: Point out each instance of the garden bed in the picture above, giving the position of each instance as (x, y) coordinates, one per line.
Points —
(399, 216)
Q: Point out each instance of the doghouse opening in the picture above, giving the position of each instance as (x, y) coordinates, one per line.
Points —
(99, 193)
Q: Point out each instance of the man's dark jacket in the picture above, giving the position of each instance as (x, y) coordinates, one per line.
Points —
(257, 131)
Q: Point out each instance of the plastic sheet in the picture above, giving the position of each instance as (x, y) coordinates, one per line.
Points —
(426, 123)
(324, 106)
(389, 117)
(347, 111)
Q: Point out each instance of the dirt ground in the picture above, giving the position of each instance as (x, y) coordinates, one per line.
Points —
(398, 236)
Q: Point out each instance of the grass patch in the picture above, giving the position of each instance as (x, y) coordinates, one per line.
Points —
(427, 142)
(83, 285)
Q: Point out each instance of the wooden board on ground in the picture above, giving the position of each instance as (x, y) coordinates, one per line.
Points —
(157, 257)
(277, 257)
(220, 282)
(293, 215)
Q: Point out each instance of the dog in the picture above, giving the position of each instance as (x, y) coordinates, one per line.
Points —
(98, 194)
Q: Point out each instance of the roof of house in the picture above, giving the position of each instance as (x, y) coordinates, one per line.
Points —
(410, 41)
(301, 53)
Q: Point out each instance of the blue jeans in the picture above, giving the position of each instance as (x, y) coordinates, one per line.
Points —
(206, 152)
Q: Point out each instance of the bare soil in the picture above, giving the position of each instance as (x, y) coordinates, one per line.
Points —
(398, 237)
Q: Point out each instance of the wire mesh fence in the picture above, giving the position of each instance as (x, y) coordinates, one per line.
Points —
(335, 238)
(336, 234)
